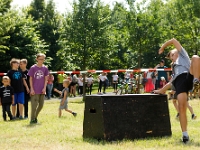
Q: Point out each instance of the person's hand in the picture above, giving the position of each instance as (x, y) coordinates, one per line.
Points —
(44, 91)
(161, 50)
(158, 91)
(28, 91)
(32, 92)
(54, 89)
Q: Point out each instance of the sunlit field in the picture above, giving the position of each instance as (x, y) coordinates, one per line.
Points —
(65, 133)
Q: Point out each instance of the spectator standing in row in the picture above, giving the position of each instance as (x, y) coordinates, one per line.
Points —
(72, 85)
(61, 77)
(18, 82)
(90, 81)
(50, 80)
(115, 81)
(80, 85)
(23, 64)
(102, 82)
(149, 86)
(38, 81)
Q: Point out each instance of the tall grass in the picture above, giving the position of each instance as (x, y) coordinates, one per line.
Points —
(65, 133)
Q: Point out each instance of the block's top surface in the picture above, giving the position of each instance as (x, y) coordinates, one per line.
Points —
(130, 95)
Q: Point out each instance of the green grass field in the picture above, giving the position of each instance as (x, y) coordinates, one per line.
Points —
(65, 133)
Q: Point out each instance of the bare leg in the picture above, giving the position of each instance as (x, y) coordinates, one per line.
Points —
(59, 113)
(182, 105)
(21, 108)
(190, 108)
(68, 110)
(195, 63)
(175, 105)
(14, 111)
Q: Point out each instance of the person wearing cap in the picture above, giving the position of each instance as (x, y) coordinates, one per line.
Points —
(160, 74)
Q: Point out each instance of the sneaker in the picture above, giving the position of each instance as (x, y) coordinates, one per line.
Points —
(26, 117)
(74, 114)
(20, 117)
(194, 116)
(34, 121)
(185, 139)
(196, 86)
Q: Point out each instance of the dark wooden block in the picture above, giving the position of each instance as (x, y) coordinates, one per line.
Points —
(126, 116)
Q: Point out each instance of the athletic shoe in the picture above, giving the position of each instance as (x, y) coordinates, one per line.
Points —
(185, 139)
(194, 116)
(20, 117)
(196, 86)
(74, 114)
(34, 121)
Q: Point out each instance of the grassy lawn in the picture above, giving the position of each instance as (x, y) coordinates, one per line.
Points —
(65, 133)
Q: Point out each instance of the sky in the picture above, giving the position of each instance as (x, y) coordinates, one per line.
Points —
(61, 5)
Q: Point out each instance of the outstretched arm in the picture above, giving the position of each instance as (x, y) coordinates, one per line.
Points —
(168, 43)
(164, 89)
(56, 90)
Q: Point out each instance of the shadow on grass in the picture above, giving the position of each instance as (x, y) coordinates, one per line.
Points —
(31, 125)
(96, 141)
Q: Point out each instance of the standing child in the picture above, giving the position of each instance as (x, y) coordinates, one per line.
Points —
(38, 81)
(64, 98)
(23, 64)
(6, 97)
(18, 82)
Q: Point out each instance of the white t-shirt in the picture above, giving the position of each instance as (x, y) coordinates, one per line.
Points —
(115, 77)
(90, 80)
(149, 75)
(127, 75)
(80, 81)
(102, 78)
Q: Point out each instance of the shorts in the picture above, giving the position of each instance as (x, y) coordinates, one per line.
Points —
(183, 83)
(18, 98)
(73, 83)
(65, 106)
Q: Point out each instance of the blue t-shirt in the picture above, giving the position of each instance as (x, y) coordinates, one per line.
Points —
(162, 73)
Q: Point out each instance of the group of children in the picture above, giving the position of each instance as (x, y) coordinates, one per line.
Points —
(21, 84)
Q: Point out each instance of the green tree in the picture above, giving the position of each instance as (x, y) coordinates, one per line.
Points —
(84, 36)
(49, 22)
(21, 39)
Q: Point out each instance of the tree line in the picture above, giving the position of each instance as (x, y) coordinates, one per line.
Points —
(94, 36)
